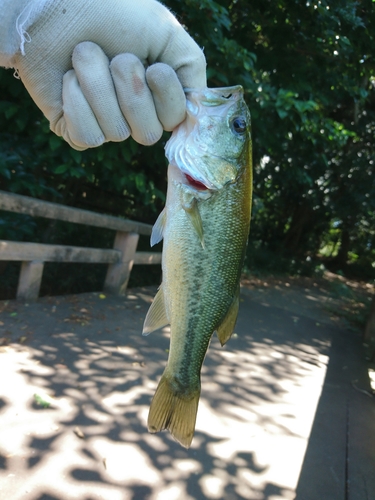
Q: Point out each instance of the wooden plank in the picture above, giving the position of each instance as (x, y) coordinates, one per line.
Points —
(20, 251)
(361, 422)
(361, 445)
(142, 258)
(118, 274)
(30, 280)
(323, 472)
(37, 208)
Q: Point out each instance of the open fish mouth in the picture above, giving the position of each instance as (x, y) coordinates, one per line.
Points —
(216, 96)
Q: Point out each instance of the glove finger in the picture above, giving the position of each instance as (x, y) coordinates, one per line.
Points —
(78, 125)
(92, 69)
(168, 95)
(135, 99)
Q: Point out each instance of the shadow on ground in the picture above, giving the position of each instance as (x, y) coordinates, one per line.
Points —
(78, 377)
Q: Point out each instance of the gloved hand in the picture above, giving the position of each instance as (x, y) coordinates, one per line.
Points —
(84, 66)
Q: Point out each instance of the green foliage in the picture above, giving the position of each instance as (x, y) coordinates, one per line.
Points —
(308, 71)
(35, 162)
(41, 401)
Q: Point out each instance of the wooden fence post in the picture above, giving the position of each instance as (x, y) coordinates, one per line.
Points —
(370, 324)
(118, 275)
(30, 280)
(369, 334)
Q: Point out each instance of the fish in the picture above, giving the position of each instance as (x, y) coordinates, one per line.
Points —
(205, 227)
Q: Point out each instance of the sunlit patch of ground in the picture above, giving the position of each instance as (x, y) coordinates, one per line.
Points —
(75, 394)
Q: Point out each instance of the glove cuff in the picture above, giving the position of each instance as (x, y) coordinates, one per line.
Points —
(16, 16)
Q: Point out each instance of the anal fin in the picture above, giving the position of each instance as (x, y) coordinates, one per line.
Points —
(225, 330)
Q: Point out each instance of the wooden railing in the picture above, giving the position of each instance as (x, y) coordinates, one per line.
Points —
(120, 259)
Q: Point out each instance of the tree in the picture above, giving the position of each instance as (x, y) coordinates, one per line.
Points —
(308, 71)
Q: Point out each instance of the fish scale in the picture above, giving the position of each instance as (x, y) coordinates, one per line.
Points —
(205, 234)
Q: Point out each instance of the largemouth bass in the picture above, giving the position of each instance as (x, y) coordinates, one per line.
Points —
(205, 226)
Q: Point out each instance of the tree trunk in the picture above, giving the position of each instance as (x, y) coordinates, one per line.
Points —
(341, 258)
(301, 217)
(369, 333)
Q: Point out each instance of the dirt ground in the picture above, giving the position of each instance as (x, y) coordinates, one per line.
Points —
(346, 302)
(287, 408)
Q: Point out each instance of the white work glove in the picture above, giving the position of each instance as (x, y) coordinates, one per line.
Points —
(83, 63)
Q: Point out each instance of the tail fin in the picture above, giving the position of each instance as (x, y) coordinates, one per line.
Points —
(173, 411)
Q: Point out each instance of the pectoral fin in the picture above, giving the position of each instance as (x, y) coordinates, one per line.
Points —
(156, 317)
(192, 211)
(158, 228)
(225, 330)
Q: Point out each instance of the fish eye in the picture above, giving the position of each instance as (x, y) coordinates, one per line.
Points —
(239, 125)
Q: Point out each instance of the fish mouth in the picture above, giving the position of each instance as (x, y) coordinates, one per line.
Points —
(216, 96)
(188, 151)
